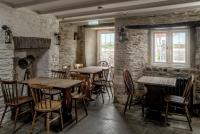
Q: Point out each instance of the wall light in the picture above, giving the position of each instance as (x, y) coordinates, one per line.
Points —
(8, 34)
(58, 38)
(122, 35)
(76, 36)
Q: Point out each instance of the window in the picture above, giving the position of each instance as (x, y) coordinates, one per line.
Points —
(170, 47)
(106, 46)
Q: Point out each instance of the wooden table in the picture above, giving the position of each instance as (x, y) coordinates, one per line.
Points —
(90, 70)
(161, 81)
(156, 91)
(65, 86)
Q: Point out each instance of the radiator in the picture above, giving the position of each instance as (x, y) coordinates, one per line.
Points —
(179, 88)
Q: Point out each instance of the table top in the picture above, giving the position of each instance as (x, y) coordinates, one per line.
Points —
(90, 69)
(162, 81)
(53, 82)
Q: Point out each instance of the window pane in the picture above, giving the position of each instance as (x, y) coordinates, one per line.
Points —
(179, 43)
(160, 39)
(107, 48)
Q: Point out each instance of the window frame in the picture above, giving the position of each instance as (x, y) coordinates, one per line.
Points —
(169, 47)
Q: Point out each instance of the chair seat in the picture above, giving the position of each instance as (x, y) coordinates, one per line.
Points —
(45, 106)
(21, 100)
(139, 93)
(175, 99)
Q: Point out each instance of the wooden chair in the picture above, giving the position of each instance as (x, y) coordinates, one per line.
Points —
(111, 80)
(67, 71)
(101, 83)
(14, 99)
(77, 66)
(59, 74)
(103, 64)
(180, 101)
(56, 74)
(45, 104)
(81, 95)
(131, 91)
(73, 75)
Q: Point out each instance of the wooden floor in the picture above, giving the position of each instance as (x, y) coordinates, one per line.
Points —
(108, 119)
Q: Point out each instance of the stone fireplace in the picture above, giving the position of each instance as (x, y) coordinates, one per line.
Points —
(36, 47)
(39, 60)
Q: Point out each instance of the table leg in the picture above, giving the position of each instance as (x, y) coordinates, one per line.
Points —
(67, 106)
(155, 102)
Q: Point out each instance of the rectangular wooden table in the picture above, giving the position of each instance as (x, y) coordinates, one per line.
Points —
(65, 86)
(156, 91)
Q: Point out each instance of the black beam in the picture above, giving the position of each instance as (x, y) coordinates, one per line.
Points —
(179, 24)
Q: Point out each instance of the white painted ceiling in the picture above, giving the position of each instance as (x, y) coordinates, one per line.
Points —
(83, 10)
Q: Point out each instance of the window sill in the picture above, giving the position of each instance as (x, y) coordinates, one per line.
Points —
(178, 66)
(170, 66)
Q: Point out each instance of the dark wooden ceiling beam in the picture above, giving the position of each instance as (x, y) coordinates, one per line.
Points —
(180, 24)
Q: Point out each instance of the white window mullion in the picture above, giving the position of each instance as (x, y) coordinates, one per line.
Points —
(187, 52)
(170, 51)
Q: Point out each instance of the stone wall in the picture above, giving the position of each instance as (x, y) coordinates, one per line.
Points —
(68, 46)
(26, 23)
(131, 55)
(82, 50)
(134, 54)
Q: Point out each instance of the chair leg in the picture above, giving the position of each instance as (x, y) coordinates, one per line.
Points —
(102, 95)
(188, 118)
(4, 112)
(51, 96)
(48, 123)
(16, 115)
(107, 90)
(130, 102)
(189, 115)
(76, 113)
(143, 106)
(61, 118)
(97, 96)
(166, 113)
(84, 105)
(126, 104)
(33, 122)
(31, 108)
(110, 89)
